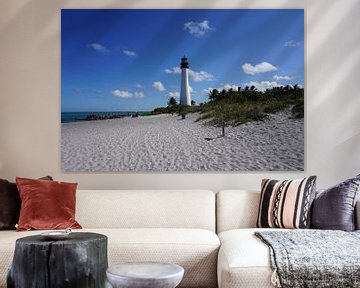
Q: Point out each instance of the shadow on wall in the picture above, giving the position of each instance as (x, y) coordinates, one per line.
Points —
(343, 46)
(48, 12)
(40, 8)
(324, 40)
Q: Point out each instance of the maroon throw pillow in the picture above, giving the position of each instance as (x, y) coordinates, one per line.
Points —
(46, 204)
(10, 204)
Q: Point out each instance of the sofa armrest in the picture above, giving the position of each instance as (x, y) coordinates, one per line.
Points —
(357, 215)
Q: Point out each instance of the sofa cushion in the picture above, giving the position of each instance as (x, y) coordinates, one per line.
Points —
(244, 261)
(334, 208)
(196, 250)
(286, 204)
(153, 209)
(46, 204)
(236, 209)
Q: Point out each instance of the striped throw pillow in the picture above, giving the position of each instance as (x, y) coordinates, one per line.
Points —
(286, 204)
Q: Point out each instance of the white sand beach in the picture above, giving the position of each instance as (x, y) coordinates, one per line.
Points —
(167, 143)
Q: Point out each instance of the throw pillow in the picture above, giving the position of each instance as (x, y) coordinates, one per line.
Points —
(46, 204)
(10, 204)
(334, 208)
(286, 204)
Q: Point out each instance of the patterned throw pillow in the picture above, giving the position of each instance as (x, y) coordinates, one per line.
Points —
(286, 204)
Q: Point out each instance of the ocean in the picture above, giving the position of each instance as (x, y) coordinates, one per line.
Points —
(67, 117)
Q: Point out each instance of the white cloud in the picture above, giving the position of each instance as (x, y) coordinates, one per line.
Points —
(129, 53)
(292, 43)
(98, 48)
(258, 68)
(230, 86)
(201, 76)
(277, 77)
(139, 86)
(158, 86)
(226, 86)
(195, 76)
(173, 70)
(175, 94)
(122, 94)
(198, 29)
(263, 85)
(127, 94)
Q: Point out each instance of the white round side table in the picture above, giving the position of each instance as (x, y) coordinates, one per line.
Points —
(145, 275)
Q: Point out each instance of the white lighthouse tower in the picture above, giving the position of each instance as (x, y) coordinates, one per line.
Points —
(185, 98)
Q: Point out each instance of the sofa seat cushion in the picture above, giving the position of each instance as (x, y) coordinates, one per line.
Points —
(244, 261)
(196, 250)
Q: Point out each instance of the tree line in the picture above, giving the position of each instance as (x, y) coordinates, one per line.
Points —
(233, 107)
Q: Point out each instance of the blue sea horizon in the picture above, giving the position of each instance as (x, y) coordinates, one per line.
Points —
(67, 117)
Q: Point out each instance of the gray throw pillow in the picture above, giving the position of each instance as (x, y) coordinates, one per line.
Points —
(334, 208)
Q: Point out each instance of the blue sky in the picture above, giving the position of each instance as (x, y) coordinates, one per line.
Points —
(129, 59)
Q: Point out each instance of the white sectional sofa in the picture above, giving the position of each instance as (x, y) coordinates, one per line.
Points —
(177, 226)
(243, 260)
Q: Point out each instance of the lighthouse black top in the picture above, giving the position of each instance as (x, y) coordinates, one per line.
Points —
(184, 63)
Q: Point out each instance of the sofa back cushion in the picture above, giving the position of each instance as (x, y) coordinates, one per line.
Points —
(236, 209)
(146, 209)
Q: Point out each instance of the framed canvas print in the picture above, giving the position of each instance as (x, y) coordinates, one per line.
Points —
(182, 90)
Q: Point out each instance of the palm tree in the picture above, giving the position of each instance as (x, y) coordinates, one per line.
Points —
(172, 105)
(213, 95)
(172, 102)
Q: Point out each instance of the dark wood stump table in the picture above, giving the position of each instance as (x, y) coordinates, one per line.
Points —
(78, 261)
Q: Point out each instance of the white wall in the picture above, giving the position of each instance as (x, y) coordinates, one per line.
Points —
(30, 94)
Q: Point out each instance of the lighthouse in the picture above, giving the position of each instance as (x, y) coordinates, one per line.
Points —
(185, 98)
